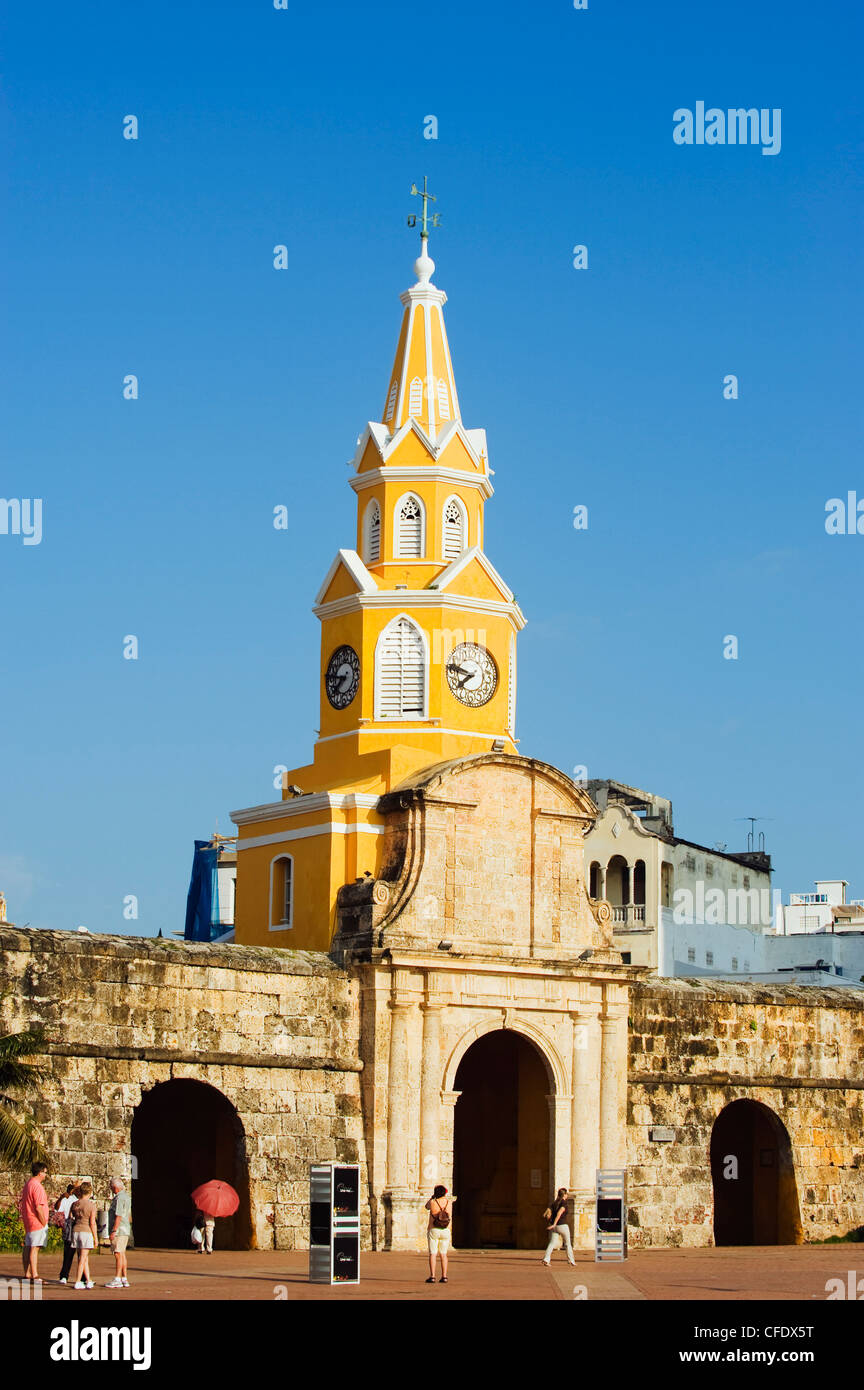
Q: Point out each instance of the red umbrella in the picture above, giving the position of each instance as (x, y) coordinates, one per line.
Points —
(216, 1198)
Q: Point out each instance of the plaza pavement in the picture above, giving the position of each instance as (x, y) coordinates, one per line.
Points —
(792, 1273)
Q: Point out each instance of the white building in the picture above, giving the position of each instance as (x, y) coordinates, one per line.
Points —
(677, 906)
(824, 910)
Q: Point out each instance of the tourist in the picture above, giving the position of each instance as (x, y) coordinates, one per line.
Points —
(33, 1206)
(556, 1214)
(198, 1232)
(440, 1209)
(209, 1228)
(119, 1230)
(83, 1218)
(64, 1205)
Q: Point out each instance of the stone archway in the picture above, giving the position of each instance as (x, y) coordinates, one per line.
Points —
(753, 1174)
(184, 1133)
(501, 1143)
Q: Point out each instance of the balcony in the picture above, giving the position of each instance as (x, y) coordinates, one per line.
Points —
(628, 915)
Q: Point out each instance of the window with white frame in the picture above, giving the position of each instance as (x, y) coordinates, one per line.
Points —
(400, 672)
(282, 893)
(709, 957)
(443, 401)
(455, 527)
(691, 955)
(372, 533)
(415, 397)
(409, 528)
(391, 402)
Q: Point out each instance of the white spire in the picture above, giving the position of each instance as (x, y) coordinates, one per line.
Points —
(424, 266)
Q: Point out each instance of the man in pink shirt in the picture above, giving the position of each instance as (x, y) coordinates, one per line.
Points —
(33, 1206)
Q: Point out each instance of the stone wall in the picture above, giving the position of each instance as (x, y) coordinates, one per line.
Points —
(274, 1031)
(697, 1045)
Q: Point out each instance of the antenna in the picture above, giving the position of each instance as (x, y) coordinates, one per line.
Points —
(751, 834)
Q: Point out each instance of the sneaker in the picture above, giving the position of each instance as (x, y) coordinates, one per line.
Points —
(61, 1281)
(115, 1284)
(80, 1284)
(90, 1284)
(125, 1283)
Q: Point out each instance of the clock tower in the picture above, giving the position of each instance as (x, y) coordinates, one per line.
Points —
(418, 640)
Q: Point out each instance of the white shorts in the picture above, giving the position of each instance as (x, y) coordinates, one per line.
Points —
(438, 1240)
(82, 1240)
(35, 1239)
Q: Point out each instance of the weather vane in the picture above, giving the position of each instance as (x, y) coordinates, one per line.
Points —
(427, 219)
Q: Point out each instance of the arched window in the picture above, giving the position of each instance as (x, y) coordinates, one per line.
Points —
(400, 672)
(372, 533)
(594, 880)
(409, 528)
(391, 402)
(415, 397)
(443, 401)
(282, 893)
(454, 528)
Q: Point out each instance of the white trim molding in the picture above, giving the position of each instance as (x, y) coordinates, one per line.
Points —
(386, 443)
(474, 552)
(420, 473)
(304, 805)
(357, 570)
(421, 598)
(308, 832)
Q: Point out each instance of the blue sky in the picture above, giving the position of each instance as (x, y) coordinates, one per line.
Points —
(600, 387)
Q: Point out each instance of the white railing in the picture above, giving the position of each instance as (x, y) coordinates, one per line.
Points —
(628, 912)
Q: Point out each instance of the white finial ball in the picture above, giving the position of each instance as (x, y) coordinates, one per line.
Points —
(424, 267)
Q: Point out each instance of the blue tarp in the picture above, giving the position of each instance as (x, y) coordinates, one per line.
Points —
(202, 901)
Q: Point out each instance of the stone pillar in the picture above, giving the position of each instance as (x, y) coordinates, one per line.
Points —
(626, 884)
(613, 1086)
(602, 895)
(448, 1112)
(430, 1098)
(585, 1121)
(402, 1203)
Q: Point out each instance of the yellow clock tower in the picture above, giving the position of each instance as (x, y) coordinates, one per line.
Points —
(418, 643)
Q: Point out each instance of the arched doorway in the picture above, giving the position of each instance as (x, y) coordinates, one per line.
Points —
(753, 1173)
(185, 1133)
(501, 1143)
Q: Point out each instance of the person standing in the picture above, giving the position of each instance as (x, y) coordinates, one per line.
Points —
(33, 1206)
(119, 1230)
(556, 1214)
(84, 1237)
(64, 1205)
(207, 1231)
(440, 1209)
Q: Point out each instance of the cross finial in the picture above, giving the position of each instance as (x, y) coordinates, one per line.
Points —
(427, 219)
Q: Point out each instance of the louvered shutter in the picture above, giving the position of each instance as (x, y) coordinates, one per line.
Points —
(391, 402)
(373, 533)
(415, 397)
(443, 401)
(454, 530)
(401, 672)
(409, 529)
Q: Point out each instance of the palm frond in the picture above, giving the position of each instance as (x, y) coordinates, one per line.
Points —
(15, 1073)
(19, 1144)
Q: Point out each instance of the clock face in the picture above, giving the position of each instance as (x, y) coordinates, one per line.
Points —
(472, 674)
(343, 677)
